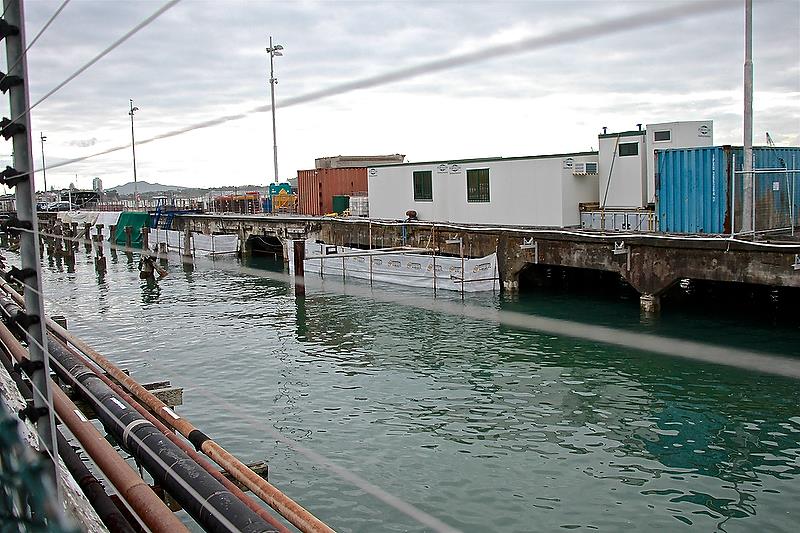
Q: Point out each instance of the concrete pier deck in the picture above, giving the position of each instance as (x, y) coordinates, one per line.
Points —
(650, 262)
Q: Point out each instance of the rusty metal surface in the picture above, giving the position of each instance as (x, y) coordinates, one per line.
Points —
(288, 508)
(231, 486)
(153, 512)
(316, 188)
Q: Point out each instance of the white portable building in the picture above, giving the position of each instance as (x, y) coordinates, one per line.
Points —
(622, 169)
(687, 134)
(523, 191)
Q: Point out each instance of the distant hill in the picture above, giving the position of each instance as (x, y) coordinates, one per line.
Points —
(143, 186)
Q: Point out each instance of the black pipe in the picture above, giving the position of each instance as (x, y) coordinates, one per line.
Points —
(144, 441)
(106, 510)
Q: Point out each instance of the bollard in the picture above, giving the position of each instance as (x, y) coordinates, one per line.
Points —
(145, 238)
(128, 232)
(299, 268)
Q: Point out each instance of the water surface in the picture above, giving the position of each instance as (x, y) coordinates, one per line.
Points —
(486, 427)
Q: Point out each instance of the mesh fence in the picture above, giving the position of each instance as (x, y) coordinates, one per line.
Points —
(772, 206)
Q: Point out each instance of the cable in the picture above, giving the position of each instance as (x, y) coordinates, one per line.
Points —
(153, 455)
(568, 36)
(146, 22)
(36, 38)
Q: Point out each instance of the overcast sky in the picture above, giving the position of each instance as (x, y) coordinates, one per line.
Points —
(206, 59)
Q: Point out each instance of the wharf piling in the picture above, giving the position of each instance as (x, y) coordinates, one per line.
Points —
(299, 251)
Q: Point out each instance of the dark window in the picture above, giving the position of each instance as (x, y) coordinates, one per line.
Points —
(665, 135)
(628, 149)
(478, 185)
(423, 188)
(591, 168)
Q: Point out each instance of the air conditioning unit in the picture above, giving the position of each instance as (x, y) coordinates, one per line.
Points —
(582, 169)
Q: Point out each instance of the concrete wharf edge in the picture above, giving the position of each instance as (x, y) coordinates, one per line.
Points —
(649, 262)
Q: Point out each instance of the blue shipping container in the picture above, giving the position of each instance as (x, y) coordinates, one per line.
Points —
(693, 188)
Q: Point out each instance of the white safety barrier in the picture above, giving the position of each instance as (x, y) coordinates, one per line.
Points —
(200, 244)
(395, 266)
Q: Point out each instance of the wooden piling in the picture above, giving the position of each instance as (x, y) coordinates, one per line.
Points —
(128, 236)
(299, 267)
(145, 238)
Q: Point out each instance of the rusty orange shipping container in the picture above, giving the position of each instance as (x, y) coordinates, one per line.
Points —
(316, 188)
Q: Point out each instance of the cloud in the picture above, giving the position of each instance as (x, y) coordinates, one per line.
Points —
(199, 62)
(83, 143)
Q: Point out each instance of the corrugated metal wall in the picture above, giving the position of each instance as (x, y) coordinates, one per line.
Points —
(694, 188)
(316, 188)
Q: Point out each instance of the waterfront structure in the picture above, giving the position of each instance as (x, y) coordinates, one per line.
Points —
(541, 190)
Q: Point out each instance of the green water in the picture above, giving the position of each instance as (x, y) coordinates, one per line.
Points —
(486, 427)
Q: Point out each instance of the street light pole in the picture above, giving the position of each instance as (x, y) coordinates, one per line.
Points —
(133, 147)
(43, 137)
(274, 50)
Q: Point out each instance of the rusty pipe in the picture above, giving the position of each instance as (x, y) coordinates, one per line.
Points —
(236, 491)
(301, 518)
(153, 512)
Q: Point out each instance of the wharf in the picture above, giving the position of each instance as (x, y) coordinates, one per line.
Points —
(650, 262)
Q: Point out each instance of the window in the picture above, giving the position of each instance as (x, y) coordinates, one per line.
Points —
(662, 136)
(423, 187)
(478, 185)
(591, 168)
(628, 149)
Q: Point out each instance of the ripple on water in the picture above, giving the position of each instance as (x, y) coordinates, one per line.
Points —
(486, 427)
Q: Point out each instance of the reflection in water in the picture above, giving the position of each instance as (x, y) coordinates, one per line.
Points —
(151, 291)
(487, 427)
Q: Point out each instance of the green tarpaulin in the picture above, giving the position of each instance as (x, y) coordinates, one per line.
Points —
(135, 220)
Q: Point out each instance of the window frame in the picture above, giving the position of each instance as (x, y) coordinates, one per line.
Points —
(416, 190)
(619, 149)
(667, 140)
(478, 197)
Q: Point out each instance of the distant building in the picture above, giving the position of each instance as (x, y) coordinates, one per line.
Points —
(357, 161)
(97, 185)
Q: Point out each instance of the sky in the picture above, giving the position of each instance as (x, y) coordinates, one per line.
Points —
(202, 60)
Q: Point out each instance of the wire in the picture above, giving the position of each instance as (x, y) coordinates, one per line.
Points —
(50, 405)
(36, 38)
(142, 446)
(568, 36)
(146, 22)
